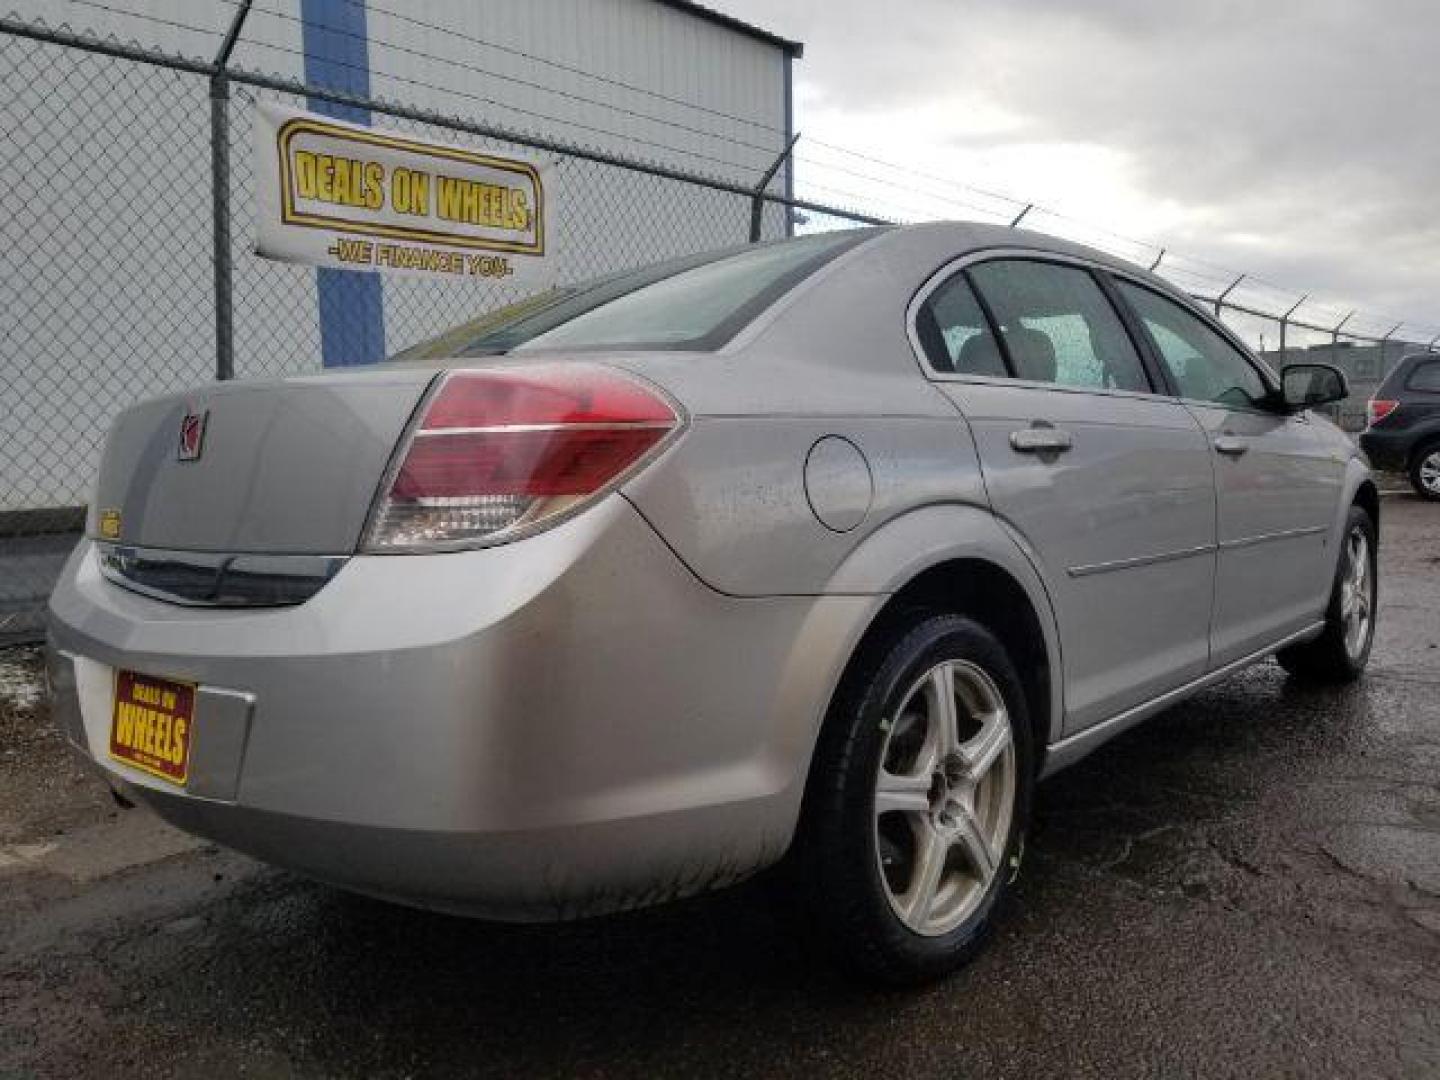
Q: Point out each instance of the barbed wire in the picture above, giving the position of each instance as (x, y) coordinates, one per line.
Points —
(376, 9)
(373, 73)
(107, 124)
(812, 172)
(769, 149)
(156, 20)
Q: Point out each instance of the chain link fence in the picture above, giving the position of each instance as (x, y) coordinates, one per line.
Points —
(107, 250)
(109, 185)
(85, 332)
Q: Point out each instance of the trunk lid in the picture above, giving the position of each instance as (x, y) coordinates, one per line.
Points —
(288, 466)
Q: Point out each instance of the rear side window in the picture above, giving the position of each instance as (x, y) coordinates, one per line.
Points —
(1425, 377)
(1058, 326)
(1204, 366)
(955, 333)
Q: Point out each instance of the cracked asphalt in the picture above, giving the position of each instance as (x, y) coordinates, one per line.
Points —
(1247, 885)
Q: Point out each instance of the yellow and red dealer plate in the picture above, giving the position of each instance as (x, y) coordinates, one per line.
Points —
(151, 726)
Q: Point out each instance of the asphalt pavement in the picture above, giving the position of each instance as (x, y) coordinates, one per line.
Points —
(1247, 885)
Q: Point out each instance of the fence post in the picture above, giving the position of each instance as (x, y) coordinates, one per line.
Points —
(220, 197)
(757, 204)
(1335, 337)
(1384, 341)
(1285, 323)
(1220, 300)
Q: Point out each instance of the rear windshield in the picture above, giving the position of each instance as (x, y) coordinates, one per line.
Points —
(695, 302)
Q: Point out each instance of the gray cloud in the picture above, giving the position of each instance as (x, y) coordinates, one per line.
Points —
(1300, 132)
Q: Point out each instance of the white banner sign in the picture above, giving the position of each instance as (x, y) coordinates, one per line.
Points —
(360, 198)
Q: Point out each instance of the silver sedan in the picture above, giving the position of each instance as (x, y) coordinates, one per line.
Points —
(817, 553)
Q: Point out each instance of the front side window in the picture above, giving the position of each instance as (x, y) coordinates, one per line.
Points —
(1203, 365)
(1426, 377)
(1058, 326)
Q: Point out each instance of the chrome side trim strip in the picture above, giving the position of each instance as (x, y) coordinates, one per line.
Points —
(1139, 560)
(1265, 538)
(1072, 748)
(1087, 569)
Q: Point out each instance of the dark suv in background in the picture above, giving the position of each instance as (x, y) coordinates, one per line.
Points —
(1403, 434)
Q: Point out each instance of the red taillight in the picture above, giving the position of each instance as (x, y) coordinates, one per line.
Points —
(500, 451)
(554, 394)
(1376, 409)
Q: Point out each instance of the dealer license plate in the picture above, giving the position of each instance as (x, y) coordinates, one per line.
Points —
(152, 724)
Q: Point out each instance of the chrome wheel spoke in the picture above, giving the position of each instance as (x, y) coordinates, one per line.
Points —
(971, 839)
(983, 749)
(931, 851)
(944, 719)
(902, 794)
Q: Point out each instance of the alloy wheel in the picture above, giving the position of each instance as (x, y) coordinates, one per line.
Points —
(1357, 593)
(944, 797)
(1430, 472)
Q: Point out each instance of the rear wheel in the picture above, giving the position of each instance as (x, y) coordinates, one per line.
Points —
(918, 801)
(1425, 471)
(1342, 650)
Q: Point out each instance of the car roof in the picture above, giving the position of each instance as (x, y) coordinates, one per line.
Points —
(1399, 375)
(969, 237)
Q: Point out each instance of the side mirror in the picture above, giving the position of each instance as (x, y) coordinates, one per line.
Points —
(1304, 386)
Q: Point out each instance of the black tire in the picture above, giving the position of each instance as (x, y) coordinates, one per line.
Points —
(1416, 461)
(1328, 658)
(835, 864)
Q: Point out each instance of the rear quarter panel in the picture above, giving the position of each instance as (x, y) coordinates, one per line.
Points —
(731, 499)
(833, 360)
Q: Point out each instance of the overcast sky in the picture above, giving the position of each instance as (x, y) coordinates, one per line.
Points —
(1295, 139)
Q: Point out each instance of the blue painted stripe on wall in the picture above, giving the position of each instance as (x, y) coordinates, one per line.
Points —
(352, 305)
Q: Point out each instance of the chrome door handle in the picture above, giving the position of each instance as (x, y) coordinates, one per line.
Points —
(1041, 440)
(1231, 446)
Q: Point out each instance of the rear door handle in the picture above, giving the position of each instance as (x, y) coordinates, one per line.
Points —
(1231, 446)
(1041, 440)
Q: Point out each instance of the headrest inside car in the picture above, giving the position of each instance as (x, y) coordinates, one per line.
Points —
(980, 356)
(1033, 354)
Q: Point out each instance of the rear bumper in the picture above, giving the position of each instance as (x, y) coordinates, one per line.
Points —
(550, 728)
(1387, 450)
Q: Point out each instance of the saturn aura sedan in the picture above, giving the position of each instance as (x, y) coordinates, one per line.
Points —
(814, 554)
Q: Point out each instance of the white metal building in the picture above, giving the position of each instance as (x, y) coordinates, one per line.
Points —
(107, 294)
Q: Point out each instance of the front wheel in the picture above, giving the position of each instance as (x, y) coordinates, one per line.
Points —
(918, 801)
(1342, 650)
